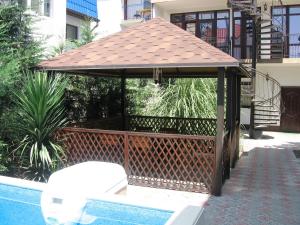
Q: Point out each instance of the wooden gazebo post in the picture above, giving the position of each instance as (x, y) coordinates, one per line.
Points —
(217, 184)
(123, 100)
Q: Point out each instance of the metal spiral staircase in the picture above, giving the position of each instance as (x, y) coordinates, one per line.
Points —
(263, 91)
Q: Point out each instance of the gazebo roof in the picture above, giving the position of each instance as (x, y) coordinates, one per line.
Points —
(138, 49)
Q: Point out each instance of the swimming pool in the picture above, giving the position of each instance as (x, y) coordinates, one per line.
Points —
(20, 205)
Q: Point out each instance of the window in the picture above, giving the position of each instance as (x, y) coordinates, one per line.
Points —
(46, 7)
(71, 32)
(242, 35)
(288, 17)
(211, 26)
(35, 6)
(22, 3)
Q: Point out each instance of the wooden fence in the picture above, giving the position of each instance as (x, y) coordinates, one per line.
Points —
(172, 161)
(189, 126)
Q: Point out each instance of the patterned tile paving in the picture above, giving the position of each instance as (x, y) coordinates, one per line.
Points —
(264, 189)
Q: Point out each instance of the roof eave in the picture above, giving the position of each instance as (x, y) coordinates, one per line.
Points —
(145, 66)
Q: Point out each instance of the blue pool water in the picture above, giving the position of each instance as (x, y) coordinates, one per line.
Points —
(21, 206)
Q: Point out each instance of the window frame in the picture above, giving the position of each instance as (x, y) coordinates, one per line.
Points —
(182, 22)
(287, 33)
(76, 29)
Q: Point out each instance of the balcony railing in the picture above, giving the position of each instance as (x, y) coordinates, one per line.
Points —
(139, 10)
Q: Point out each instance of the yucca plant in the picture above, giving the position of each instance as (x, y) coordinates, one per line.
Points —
(41, 113)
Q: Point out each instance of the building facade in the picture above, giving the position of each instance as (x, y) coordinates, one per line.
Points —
(228, 25)
(55, 21)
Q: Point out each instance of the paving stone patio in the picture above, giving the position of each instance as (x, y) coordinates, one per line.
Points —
(264, 188)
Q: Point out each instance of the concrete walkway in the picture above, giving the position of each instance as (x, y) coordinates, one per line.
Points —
(264, 188)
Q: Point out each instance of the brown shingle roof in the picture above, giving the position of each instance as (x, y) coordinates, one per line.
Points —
(156, 43)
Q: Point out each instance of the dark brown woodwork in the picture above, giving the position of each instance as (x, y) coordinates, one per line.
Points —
(217, 185)
(175, 125)
(290, 116)
(123, 101)
(181, 162)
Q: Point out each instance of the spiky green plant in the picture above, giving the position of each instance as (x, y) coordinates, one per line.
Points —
(41, 113)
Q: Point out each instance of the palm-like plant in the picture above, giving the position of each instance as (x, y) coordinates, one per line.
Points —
(41, 113)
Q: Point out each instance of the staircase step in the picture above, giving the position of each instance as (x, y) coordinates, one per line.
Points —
(265, 21)
(271, 60)
(269, 26)
(270, 38)
(266, 123)
(271, 44)
(272, 51)
(273, 55)
(270, 32)
(261, 114)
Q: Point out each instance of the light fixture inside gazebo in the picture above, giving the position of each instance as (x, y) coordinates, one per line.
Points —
(157, 75)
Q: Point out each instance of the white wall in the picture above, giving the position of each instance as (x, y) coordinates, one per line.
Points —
(157, 11)
(287, 74)
(51, 30)
(110, 13)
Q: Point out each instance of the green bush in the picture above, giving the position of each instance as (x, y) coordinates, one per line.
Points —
(41, 113)
(3, 168)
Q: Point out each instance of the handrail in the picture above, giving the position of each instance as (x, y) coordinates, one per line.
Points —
(268, 78)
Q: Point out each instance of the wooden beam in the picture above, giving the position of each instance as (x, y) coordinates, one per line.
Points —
(238, 116)
(233, 120)
(123, 101)
(229, 102)
(217, 186)
(229, 83)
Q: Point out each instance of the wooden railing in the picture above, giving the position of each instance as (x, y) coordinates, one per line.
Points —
(175, 125)
(180, 162)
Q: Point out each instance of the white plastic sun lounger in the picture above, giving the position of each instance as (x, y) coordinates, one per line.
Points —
(68, 190)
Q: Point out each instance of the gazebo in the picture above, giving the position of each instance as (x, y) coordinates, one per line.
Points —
(191, 154)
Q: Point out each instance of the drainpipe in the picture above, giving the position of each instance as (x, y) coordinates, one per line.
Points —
(125, 10)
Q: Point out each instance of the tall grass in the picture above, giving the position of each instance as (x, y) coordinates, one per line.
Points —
(192, 98)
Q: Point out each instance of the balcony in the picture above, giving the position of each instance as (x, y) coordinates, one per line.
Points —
(138, 10)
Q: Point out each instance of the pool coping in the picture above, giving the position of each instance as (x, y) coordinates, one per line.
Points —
(22, 183)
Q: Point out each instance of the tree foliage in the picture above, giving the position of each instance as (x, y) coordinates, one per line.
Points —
(18, 52)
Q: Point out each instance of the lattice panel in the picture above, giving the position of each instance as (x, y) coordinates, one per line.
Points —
(190, 126)
(179, 163)
(85, 145)
(170, 161)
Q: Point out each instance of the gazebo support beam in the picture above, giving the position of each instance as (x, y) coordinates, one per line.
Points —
(238, 116)
(217, 185)
(228, 117)
(234, 118)
(123, 101)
